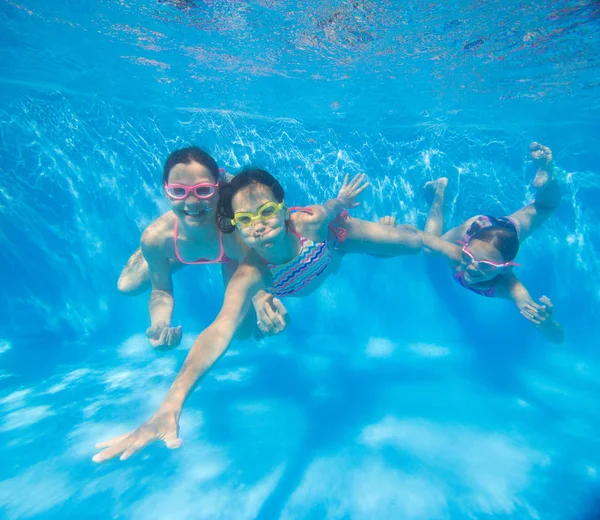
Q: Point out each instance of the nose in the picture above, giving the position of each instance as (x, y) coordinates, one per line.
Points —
(192, 202)
(258, 226)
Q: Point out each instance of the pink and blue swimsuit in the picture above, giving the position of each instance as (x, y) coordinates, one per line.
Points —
(311, 261)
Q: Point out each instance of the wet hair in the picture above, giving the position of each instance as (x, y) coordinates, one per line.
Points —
(245, 177)
(503, 237)
(187, 156)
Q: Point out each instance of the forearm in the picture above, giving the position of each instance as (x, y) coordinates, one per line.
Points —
(433, 244)
(160, 305)
(206, 350)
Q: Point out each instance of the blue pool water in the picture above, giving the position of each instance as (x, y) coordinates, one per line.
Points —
(393, 394)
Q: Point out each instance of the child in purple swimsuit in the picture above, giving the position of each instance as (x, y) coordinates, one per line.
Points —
(481, 251)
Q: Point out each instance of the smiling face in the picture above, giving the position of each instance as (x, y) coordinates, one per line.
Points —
(480, 250)
(261, 233)
(191, 210)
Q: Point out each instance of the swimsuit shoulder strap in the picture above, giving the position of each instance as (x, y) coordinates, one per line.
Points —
(301, 209)
(222, 256)
(482, 221)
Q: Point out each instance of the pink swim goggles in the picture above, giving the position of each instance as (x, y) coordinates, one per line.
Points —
(485, 266)
(203, 190)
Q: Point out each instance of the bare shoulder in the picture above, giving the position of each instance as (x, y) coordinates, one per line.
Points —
(309, 216)
(252, 269)
(234, 246)
(159, 233)
(459, 231)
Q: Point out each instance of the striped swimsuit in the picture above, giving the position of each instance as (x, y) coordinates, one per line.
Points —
(311, 261)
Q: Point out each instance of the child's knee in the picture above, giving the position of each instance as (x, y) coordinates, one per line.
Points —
(126, 285)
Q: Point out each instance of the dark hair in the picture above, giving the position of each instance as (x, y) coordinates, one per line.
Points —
(187, 156)
(245, 177)
(503, 238)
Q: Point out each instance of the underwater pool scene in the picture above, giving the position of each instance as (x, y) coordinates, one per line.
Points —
(394, 393)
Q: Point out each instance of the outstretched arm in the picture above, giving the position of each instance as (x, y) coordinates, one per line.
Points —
(540, 314)
(436, 245)
(215, 339)
(209, 346)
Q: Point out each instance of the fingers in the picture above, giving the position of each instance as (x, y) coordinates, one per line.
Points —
(173, 445)
(535, 313)
(272, 321)
(282, 316)
(362, 188)
(273, 317)
(388, 221)
(137, 445)
(263, 328)
(159, 338)
(266, 327)
(345, 183)
(106, 444)
(547, 303)
(263, 315)
(531, 317)
(119, 446)
(176, 336)
(357, 181)
(359, 191)
(172, 441)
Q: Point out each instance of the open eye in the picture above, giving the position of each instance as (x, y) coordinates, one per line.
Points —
(486, 267)
(205, 191)
(244, 220)
(176, 192)
(267, 212)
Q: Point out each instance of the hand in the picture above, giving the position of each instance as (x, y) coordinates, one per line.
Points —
(388, 221)
(161, 335)
(163, 425)
(271, 315)
(348, 192)
(536, 313)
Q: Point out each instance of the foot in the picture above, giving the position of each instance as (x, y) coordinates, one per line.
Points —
(542, 157)
(438, 185)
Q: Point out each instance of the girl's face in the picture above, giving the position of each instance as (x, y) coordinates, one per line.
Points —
(261, 232)
(478, 250)
(192, 210)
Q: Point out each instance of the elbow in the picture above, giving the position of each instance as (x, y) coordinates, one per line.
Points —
(414, 243)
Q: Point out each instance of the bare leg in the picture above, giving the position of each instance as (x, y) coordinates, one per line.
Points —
(375, 239)
(547, 197)
(435, 219)
(135, 278)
